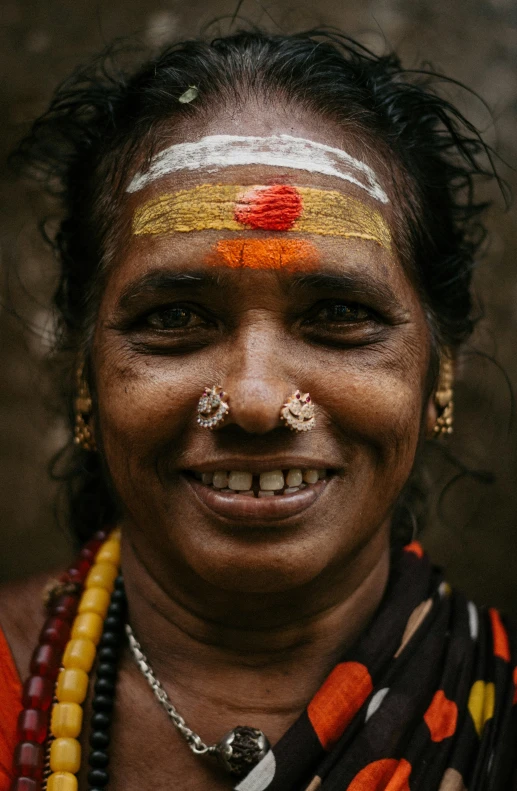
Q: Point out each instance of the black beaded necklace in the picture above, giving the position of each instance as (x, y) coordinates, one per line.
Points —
(110, 646)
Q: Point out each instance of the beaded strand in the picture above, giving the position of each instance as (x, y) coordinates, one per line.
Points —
(72, 683)
(104, 690)
(77, 637)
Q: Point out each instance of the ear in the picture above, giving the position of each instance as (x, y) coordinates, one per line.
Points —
(431, 416)
(440, 403)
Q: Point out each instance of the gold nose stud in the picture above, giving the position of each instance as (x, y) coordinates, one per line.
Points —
(298, 412)
(212, 407)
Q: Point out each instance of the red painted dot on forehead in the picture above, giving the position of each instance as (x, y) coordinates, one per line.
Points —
(274, 208)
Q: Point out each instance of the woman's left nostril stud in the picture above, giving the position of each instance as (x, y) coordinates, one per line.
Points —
(298, 412)
(212, 407)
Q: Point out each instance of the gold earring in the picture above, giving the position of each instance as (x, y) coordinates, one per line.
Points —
(298, 412)
(83, 434)
(444, 398)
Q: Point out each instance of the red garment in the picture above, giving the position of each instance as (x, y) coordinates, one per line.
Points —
(10, 707)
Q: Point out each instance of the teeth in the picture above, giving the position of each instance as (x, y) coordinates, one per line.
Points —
(294, 478)
(220, 480)
(240, 481)
(266, 494)
(248, 493)
(271, 481)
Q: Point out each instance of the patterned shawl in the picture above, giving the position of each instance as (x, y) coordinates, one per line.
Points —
(425, 701)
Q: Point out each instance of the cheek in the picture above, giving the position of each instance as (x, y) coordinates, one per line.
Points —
(145, 408)
(378, 408)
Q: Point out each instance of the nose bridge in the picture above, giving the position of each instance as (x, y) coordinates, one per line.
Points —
(256, 379)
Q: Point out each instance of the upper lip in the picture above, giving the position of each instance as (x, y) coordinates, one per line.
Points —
(256, 465)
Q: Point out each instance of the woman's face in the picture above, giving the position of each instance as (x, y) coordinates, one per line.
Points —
(261, 312)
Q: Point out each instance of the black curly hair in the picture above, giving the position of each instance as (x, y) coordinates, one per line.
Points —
(104, 121)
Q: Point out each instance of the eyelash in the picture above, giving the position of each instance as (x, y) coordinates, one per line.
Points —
(348, 317)
(164, 310)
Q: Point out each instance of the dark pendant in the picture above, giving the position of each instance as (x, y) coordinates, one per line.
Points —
(241, 749)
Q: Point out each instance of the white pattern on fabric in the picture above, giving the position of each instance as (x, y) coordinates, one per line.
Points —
(473, 620)
(260, 776)
(375, 702)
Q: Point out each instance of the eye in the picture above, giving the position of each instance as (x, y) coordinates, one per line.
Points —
(172, 317)
(341, 312)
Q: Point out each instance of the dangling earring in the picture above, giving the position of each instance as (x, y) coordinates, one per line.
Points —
(444, 397)
(83, 434)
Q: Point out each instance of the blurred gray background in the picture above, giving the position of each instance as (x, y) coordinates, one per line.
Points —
(471, 528)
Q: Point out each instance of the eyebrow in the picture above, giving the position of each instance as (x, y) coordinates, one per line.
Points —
(159, 280)
(358, 284)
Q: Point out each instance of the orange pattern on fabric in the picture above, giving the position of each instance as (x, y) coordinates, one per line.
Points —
(290, 254)
(441, 717)
(338, 700)
(500, 638)
(274, 208)
(416, 548)
(387, 774)
(10, 707)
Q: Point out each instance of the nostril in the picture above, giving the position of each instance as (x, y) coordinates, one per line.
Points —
(257, 420)
(256, 405)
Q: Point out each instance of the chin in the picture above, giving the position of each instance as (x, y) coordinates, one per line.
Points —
(260, 569)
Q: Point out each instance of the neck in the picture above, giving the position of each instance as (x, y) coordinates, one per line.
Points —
(252, 645)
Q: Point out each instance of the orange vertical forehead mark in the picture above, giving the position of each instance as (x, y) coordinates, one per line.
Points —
(274, 208)
(290, 254)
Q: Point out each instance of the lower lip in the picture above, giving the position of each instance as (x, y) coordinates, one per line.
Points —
(257, 509)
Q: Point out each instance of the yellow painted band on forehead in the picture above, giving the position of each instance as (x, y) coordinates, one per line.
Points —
(233, 208)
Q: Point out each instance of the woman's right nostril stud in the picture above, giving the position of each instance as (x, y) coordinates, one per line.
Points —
(212, 407)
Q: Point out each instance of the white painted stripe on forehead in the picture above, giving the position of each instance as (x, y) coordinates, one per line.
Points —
(282, 151)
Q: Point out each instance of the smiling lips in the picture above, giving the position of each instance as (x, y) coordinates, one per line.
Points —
(261, 498)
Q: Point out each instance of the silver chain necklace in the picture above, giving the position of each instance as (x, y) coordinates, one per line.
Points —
(237, 752)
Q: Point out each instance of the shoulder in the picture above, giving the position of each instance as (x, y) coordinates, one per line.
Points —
(22, 614)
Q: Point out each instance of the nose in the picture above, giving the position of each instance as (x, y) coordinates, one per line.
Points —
(257, 380)
(255, 402)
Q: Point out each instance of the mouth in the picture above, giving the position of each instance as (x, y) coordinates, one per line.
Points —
(267, 495)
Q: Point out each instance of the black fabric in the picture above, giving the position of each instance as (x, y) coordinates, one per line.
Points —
(425, 701)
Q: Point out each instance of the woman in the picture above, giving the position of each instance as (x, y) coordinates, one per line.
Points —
(266, 256)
